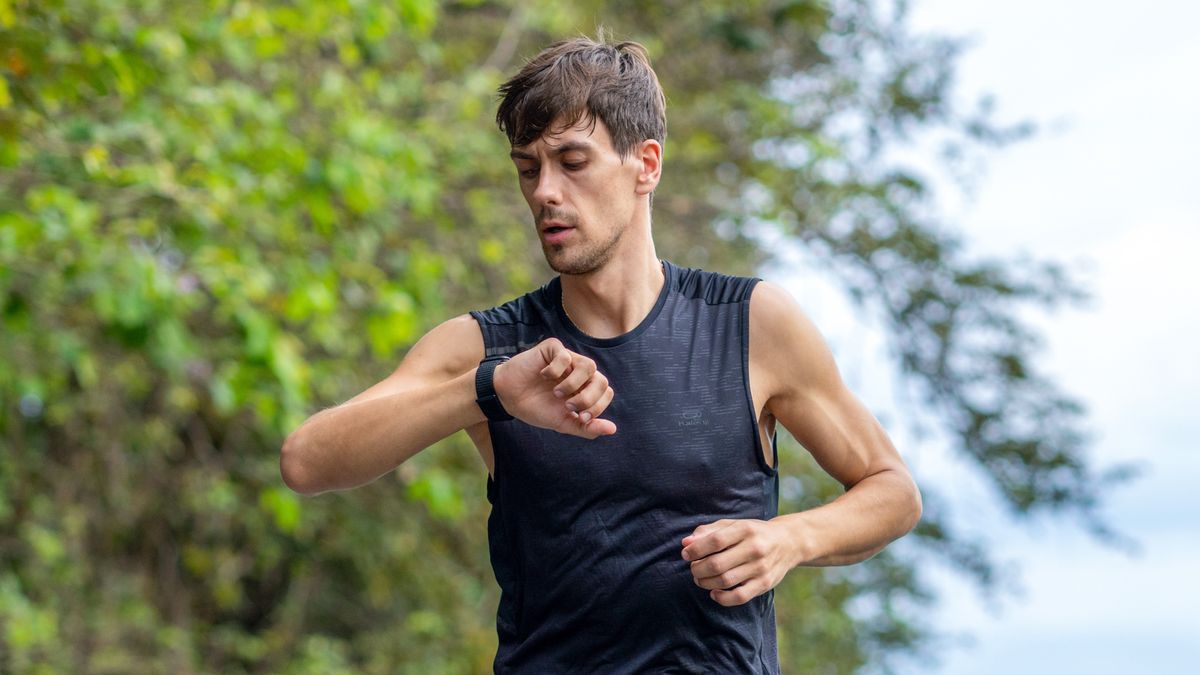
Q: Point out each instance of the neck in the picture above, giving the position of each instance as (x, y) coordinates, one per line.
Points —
(613, 300)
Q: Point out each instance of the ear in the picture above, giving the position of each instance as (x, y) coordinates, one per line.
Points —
(648, 156)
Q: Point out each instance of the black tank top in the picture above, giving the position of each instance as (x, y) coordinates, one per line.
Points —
(585, 535)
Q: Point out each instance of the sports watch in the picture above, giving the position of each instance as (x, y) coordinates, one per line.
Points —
(485, 392)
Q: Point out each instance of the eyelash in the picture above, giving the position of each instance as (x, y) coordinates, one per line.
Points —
(569, 166)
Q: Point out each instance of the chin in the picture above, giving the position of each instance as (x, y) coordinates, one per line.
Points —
(573, 265)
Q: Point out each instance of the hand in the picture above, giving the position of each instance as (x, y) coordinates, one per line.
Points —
(738, 559)
(552, 387)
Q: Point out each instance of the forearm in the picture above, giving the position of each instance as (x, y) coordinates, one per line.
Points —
(856, 525)
(353, 444)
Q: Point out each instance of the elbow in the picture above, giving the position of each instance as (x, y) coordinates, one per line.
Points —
(291, 466)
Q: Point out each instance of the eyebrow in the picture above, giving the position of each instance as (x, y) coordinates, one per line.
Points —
(581, 146)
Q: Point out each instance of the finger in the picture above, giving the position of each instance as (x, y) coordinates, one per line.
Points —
(597, 408)
(557, 357)
(729, 578)
(589, 394)
(740, 595)
(582, 368)
(708, 528)
(719, 563)
(690, 542)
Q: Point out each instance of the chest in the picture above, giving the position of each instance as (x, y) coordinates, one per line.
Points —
(684, 427)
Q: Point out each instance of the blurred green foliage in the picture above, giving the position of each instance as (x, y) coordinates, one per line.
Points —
(219, 216)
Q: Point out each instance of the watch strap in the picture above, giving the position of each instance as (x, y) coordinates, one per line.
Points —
(485, 391)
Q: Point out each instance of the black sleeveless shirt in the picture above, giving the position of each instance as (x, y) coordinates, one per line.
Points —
(585, 535)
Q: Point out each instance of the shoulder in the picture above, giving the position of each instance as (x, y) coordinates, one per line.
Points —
(524, 309)
(715, 288)
(769, 300)
(449, 349)
(785, 343)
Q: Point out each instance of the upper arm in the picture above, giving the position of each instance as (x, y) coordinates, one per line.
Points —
(805, 391)
(450, 349)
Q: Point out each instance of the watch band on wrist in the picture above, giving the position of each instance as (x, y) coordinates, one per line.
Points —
(485, 392)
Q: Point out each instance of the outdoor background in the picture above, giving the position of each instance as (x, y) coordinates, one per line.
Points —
(217, 218)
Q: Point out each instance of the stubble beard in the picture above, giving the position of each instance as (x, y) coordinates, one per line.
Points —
(584, 257)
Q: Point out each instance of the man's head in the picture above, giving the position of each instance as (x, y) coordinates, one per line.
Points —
(580, 79)
(586, 121)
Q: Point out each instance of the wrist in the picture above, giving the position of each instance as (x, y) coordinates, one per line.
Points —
(500, 381)
(486, 396)
(801, 549)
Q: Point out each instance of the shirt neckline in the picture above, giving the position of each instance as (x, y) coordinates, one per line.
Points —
(580, 336)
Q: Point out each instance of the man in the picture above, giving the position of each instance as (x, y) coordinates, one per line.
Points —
(625, 411)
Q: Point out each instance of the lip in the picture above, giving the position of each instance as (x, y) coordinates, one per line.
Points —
(555, 237)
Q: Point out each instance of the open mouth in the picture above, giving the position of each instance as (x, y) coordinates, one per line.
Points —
(552, 230)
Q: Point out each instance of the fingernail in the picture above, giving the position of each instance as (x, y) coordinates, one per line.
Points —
(571, 407)
(586, 417)
(558, 393)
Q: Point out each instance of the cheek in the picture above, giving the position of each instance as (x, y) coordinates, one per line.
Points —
(527, 193)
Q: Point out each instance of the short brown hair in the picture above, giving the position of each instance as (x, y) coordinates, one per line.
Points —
(580, 77)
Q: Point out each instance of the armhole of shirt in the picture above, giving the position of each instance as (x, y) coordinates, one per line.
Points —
(485, 327)
(759, 459)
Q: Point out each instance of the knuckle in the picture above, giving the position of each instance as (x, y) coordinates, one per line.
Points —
(758, 548)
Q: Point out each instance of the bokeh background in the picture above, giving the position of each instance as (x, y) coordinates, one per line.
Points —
(219, 217)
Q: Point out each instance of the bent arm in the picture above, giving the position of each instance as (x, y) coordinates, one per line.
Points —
(808, 397)
(430, 396)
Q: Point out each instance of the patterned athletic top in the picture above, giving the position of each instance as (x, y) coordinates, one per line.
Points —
(585, 535)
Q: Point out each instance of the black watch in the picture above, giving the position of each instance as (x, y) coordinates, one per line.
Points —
(485, 392)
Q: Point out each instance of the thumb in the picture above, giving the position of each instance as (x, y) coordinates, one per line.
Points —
(601, 427)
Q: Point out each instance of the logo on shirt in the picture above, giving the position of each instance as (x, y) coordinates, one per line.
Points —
(691, 418)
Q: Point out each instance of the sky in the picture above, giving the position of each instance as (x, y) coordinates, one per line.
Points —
(1108, 187)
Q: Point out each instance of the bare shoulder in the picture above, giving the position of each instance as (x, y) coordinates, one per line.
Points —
(785, 343)
(448, 350)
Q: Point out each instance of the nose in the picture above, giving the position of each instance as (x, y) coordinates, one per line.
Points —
(547, 190)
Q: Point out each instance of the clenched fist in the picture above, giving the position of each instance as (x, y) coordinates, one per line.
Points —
(552, 387)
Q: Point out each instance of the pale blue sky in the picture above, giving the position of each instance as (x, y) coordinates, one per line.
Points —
(1109, 187)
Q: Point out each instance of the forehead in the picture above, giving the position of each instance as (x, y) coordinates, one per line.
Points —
(589, 133)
